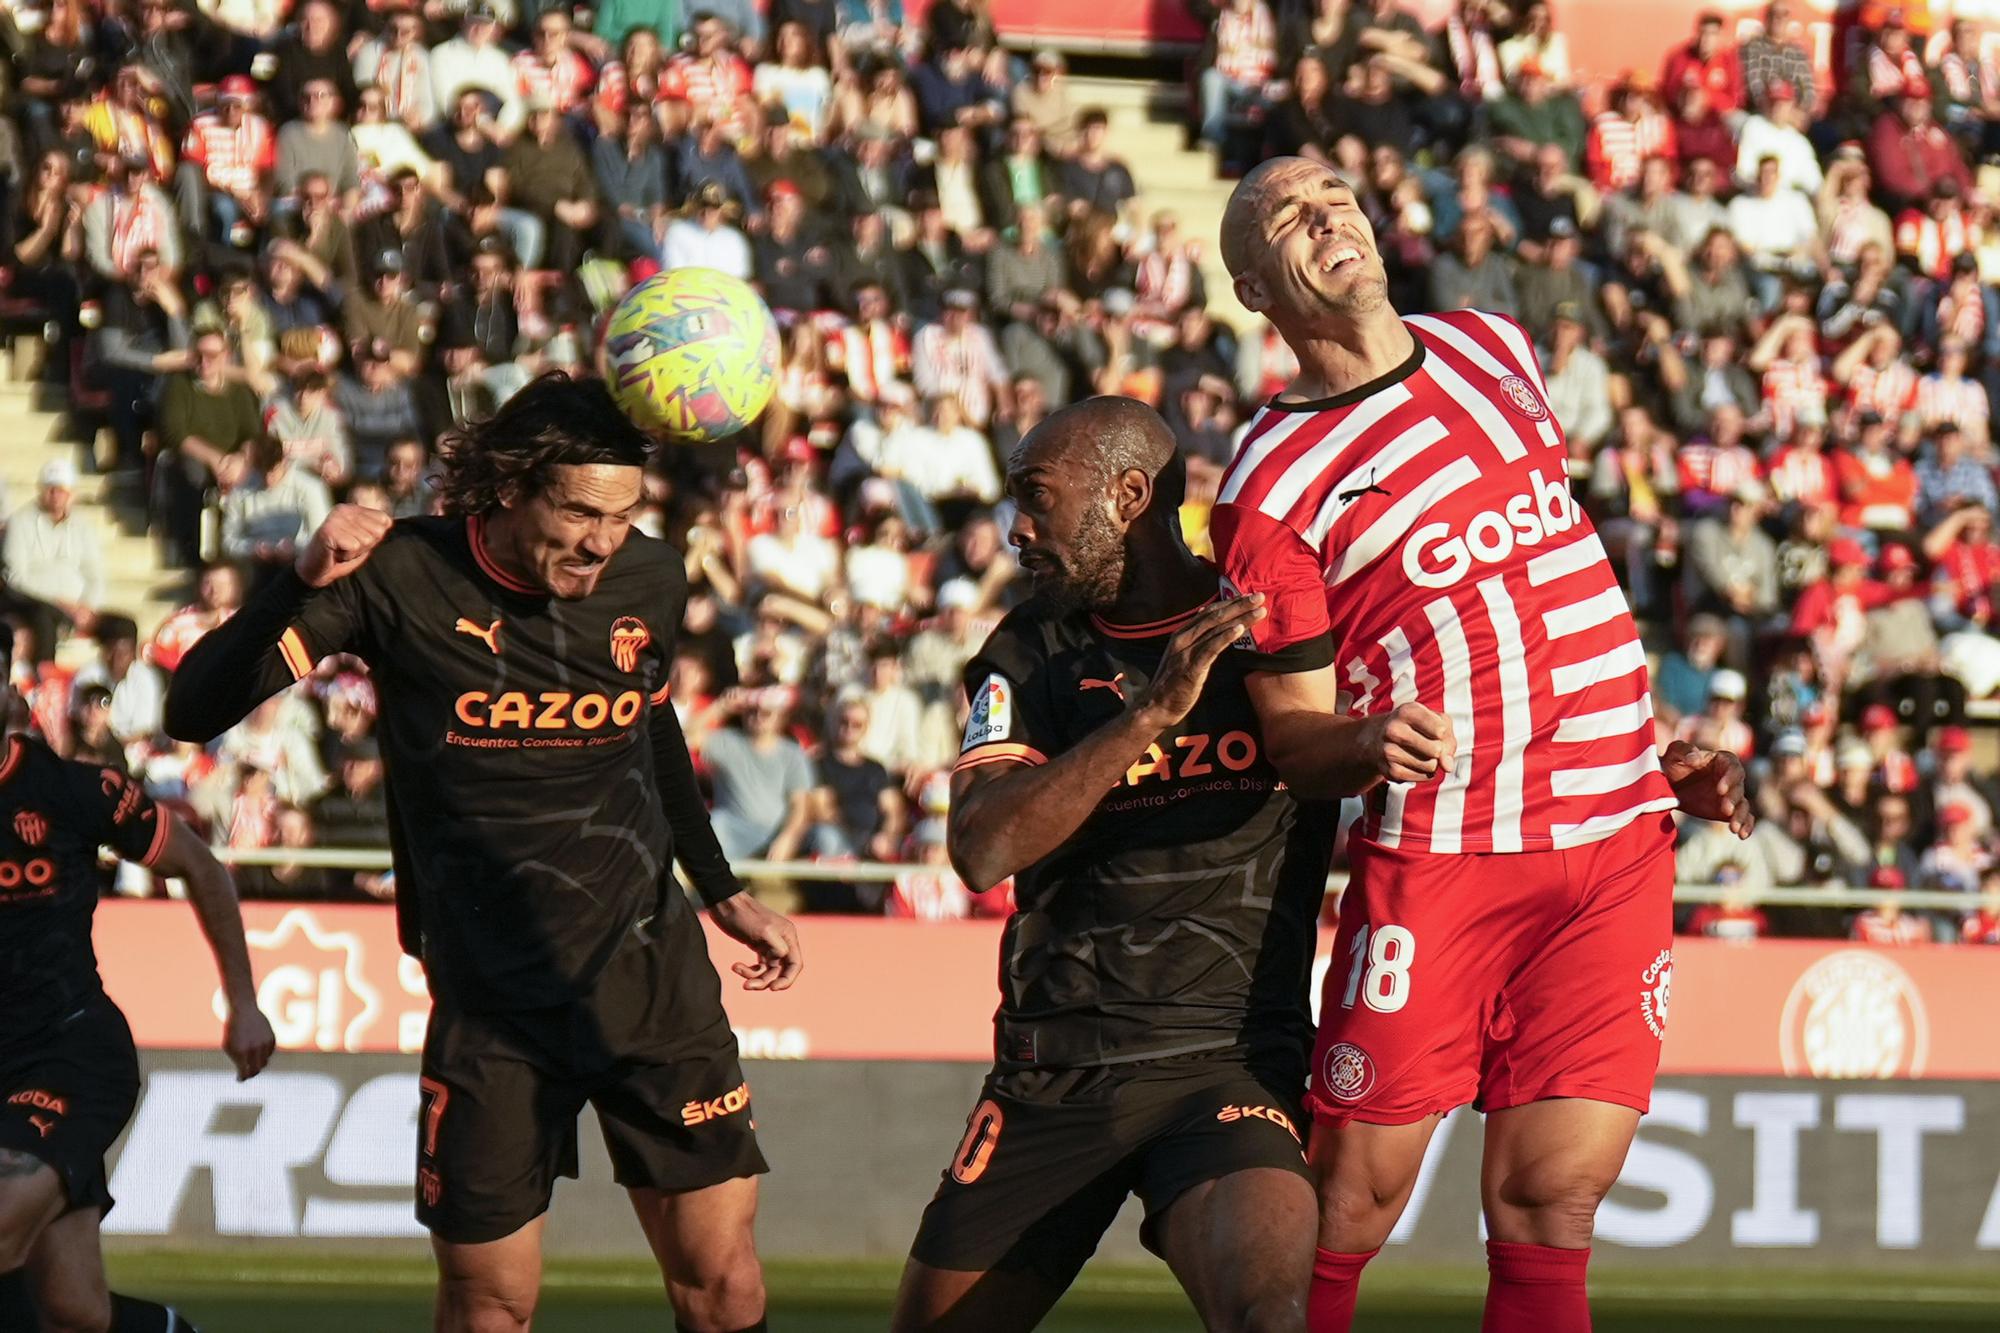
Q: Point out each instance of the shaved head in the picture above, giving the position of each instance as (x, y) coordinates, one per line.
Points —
(1248, 202)
(1111, 436)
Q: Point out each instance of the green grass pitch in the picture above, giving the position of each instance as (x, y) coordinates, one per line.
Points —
(248, 1292)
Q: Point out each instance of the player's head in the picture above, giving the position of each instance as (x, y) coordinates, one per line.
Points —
(1300, 249)
(1088, 483)
(557, 472)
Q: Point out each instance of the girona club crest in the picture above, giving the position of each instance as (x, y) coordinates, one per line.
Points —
(1521, 396)
(1349, 1073)
(31, 826)
(629, 637)
(1854, 1014)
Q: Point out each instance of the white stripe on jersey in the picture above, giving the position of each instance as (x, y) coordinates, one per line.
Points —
(1575, 677)
(1510, 333)
(1564, 561)
(1306, 469)
(1607, 723)
(1402, 690)
(1448, 816)
(1586, 614)
(1600, 826)
(1516, 718)
(1245, 464)
(1598, 779)
(1381, 466)
(1503, 435)
(1395, 522)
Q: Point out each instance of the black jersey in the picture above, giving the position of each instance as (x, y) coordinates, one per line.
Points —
(524, 740)
(1180, 916)
(54, 815)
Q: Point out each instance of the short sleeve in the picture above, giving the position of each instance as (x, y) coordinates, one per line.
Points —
(117, 813)
(1010, 721)
(1259, 554)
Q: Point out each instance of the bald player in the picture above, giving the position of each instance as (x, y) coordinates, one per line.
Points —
(1506, 936)
(1153, 1021)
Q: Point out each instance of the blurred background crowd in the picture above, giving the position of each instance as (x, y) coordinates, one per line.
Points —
(276, 249)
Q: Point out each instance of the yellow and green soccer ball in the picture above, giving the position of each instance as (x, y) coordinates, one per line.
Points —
(692, 354)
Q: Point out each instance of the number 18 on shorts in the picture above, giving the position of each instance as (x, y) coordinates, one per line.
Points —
(1497, 979)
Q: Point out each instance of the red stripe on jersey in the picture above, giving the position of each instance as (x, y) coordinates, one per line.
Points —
(1432, 513)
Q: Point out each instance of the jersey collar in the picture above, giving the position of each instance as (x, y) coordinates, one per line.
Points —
(1151, 629)
(476, 539)
(1411, 364)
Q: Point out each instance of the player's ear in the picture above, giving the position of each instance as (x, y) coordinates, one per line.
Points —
(1251, 291)
(1131, 494)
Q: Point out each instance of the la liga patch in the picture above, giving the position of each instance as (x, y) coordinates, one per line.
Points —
(992, 714)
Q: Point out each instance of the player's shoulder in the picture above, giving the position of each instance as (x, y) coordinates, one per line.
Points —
(1026, 637)
(1471, 332)
(30, 766)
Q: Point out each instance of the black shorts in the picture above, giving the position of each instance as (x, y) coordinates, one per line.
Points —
(1049, 1156)
(66, 1098)
(501, 1093)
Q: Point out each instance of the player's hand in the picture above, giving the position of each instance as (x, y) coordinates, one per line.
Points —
(1709, 785)
(1185, 665)
(248, 1041)
(771, 936)
(1411, 744)
(342, 545)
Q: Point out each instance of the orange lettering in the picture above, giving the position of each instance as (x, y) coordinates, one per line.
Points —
(551, 717)
(469, 701)
(625, 709)
(1154, 765)
(1192, 767)
(591, 710)
(511, 709)
(1237, 750)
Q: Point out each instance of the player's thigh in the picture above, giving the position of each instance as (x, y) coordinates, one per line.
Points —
(496, 1126)
(950, 1300)
(1424, 946)
(477, 1279)
(1364, 1174)
(1027, 1195)
(679, 1120)
(66, 1273)
(1585, 1014)
(1242, 1247)
(1548, 1164)
(31, 1197)
(701, 1237)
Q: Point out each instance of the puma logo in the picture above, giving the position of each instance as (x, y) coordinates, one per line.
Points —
(490, 636)
(1116, 685)
(1349, 497)
(43, 1125)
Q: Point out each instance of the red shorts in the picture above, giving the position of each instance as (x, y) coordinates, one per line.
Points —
(1497, 978)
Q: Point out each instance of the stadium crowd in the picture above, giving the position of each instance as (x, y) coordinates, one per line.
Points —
(277, 249)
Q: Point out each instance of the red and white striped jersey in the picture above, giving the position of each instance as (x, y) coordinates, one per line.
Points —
(1426, 518)
(1958, 400)
(235, 157)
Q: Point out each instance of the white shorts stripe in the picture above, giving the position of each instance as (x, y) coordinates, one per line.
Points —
(1516, 717)
(1380, 466)
(1566, 560)
(1477, 404)
(1572, 677)
(1601, 778)
(1607, 723)
(1398, 519)
(1448, 811)
(1252, 454)
(1402, 690)
(1599, 827)
(1309, 466)
(1586, 614)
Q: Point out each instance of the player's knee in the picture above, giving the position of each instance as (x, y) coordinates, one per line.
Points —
(1358, 1213)
(471, 1306)
(727, 1291)
(1266, 1313)
(1556, 1205)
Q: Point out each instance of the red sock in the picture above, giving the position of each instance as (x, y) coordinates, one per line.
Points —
(1336, 1279)
(1535, 1289)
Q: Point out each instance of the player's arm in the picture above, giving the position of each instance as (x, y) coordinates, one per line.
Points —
(1009, 810)
(259, 650)
(770, 935)
(246, 1036)
(1709, 785)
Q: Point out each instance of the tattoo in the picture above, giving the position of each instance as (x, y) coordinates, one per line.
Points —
(18, 1163)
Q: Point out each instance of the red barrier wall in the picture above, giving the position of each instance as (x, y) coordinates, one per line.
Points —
(332, 980)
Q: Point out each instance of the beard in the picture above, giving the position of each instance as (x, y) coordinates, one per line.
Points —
(1092, 576)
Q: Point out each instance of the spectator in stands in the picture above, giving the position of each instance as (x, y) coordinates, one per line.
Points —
(206, 418)
(1708, 63)
(474, 61)
(1246, 54)
(379, 405)
(354, 812)
(1888, 924)
(127, 220)
(52, 561)
(320, 145)
(218, 596)
(270, 512)
(763, 780)
(137, 691)
(549, 177)
(1098, 182)
(705, 236)
(226, 163)
(1474, 273)
(1777, 55)
(1536, 42)
(1533, 113)
(1043, 100)
(858, 801)
(1909, 153)
(1982, 924)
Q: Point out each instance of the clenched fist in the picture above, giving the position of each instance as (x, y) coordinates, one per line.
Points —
(1411, 744)
(342, 545)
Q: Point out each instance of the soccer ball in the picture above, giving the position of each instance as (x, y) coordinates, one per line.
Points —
(692, 354)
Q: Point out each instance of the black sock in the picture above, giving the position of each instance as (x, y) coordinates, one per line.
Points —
(761, 1326)
(17, 1308)
(131, 1315)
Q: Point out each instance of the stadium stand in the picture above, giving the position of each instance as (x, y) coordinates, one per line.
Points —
(262, 256)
